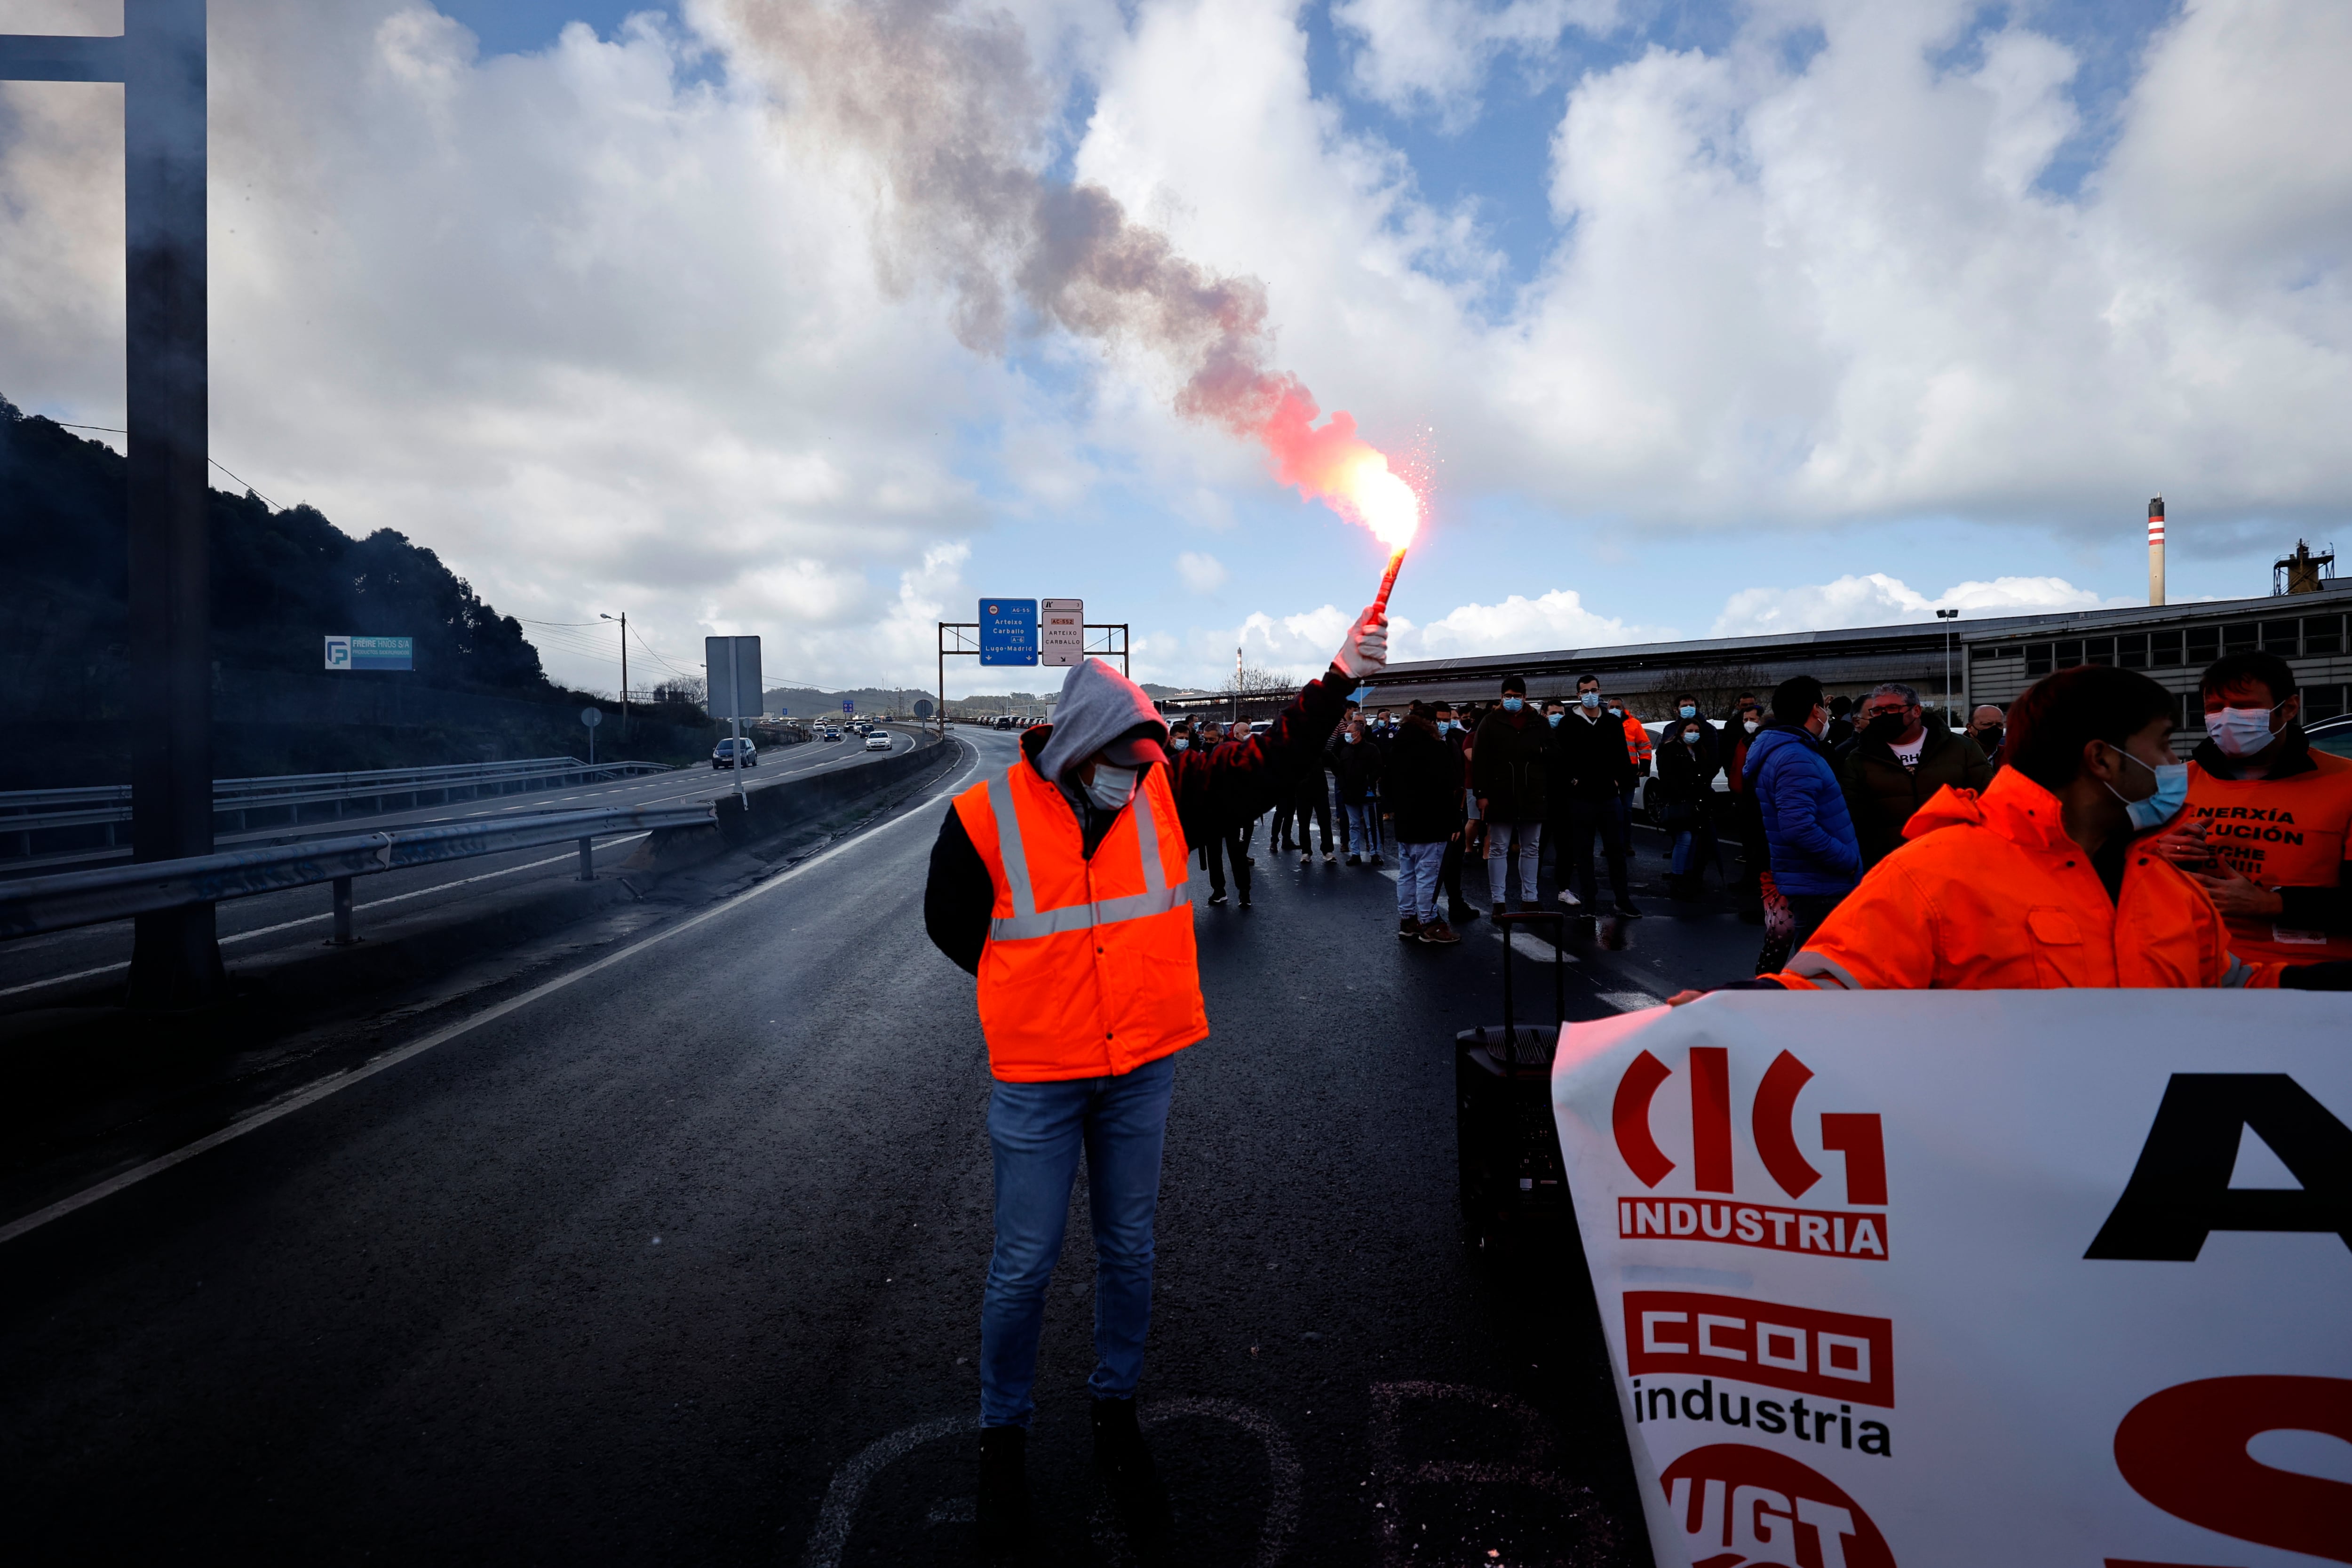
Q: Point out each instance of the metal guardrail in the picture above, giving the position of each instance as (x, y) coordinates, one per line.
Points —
(38, 905)
(24, 813)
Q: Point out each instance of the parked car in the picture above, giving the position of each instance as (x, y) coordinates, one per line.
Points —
(877, 742)
(2332, 735)
(725, 754)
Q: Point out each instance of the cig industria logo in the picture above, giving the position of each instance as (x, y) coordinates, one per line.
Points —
(1716, 1211)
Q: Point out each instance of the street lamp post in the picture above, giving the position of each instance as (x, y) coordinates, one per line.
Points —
(624, 619)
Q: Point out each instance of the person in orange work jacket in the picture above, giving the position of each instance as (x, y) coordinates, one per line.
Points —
(2269, 824)
(2045, 878)
(1059, 883)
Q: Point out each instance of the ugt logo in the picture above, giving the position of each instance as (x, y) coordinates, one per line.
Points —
(1772, 1123)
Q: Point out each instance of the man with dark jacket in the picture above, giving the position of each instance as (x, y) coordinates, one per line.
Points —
(1507, 773)
(1059, 883)
(1815, 859)
(1588, 749)
(1901, 756)
(1423, 786)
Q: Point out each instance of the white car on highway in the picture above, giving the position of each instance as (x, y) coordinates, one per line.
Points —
(877, 742)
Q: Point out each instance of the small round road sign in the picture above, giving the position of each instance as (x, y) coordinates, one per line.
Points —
(592, 717)
(923, 708)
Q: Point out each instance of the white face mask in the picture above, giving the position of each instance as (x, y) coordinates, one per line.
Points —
(2242, 731)
(1179, 744)
(1588, 699)
(1111, 786)
(1752, 726)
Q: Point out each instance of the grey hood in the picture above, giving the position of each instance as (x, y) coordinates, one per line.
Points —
(1097, 705)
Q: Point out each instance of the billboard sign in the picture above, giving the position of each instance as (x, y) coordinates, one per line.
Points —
(371, 653)
(2029, 1277)
(1062, 632)
(1008, 631)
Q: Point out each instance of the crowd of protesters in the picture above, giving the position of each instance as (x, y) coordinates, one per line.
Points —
(1792, 801)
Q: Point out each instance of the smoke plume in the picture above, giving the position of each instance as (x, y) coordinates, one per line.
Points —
(946, 111)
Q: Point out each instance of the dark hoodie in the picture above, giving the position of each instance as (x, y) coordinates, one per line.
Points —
(960, 895)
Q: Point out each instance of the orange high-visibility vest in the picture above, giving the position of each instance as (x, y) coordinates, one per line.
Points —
(1990, 893)
(1089, 969)
(1637, 745)
(2295, 832)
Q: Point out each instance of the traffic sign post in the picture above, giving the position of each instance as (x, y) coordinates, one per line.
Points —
(732, 673)
(158, 60)
(592, 717)
(971, 639)
(1062, 632)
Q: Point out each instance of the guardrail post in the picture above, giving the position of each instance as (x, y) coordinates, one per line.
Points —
(587, 859)
(343, 937)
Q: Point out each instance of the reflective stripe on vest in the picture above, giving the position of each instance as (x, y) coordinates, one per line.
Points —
(1026, 922)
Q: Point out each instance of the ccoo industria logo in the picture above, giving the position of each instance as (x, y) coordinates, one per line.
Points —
(1716, 1211)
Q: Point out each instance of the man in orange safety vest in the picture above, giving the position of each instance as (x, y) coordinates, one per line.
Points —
(1059, 883)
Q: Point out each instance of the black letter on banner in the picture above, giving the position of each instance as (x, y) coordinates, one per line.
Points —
(2179, 1190)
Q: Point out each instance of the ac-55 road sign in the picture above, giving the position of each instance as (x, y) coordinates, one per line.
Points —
(1008, 631)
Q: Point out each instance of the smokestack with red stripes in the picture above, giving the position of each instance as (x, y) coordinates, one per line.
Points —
(2156, 550)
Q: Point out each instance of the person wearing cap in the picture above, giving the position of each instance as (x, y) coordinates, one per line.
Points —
(1060, 884)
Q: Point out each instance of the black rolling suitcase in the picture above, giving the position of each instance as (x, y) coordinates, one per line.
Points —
(1512, 1174)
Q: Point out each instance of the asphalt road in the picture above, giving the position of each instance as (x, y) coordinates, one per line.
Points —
(678, 1259)
(39, 969)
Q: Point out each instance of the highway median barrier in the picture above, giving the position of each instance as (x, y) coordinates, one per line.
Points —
(793, 806)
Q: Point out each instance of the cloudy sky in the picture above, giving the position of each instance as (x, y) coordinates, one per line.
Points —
(1701, 318)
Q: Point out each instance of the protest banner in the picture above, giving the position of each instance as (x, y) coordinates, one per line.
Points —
(1974, 1277)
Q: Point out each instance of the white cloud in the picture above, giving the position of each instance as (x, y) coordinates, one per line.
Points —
(1519, 624)
(1788, 294)
(1203, 574)
(1878, 600)
(1433, 54)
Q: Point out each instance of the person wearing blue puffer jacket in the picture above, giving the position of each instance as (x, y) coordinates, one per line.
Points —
(1815, 856)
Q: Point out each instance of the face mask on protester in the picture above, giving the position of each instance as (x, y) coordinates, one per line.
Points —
(1690, 737)
(1111, 786)
(1688, 711)
(2242, 731)
(1353, 737)
(1752, 726)
(1988, 740)
(1885, 728)
(1512, 704)
(1615, 712)
(1181, 743)
(1589, 699)
(1553, 719)
(2171, 793)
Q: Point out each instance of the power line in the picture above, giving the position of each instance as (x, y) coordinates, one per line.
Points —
(215, 462)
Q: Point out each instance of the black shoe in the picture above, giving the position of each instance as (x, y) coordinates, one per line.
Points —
(1003, 1512)
(1218, 897)
(1464, 914)
(1625, 911)
(1244, 901)
(1355, 860)
(1124, 1465)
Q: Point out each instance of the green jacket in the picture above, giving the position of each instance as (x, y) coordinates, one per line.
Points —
(1881, 793)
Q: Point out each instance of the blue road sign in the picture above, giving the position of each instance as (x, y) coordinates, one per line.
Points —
(848, 707)
(1008, 631)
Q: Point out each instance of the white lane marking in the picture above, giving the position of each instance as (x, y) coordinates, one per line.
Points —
(1632, 1001)
(311, 919)
(849, 1483)
(340, 1081)
(1527, 945)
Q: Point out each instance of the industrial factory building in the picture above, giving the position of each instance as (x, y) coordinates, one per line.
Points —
(1988, 660)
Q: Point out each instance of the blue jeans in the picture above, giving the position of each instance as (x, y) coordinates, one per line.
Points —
(1417, 867)
(1036, 1130)
(1364, 828)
